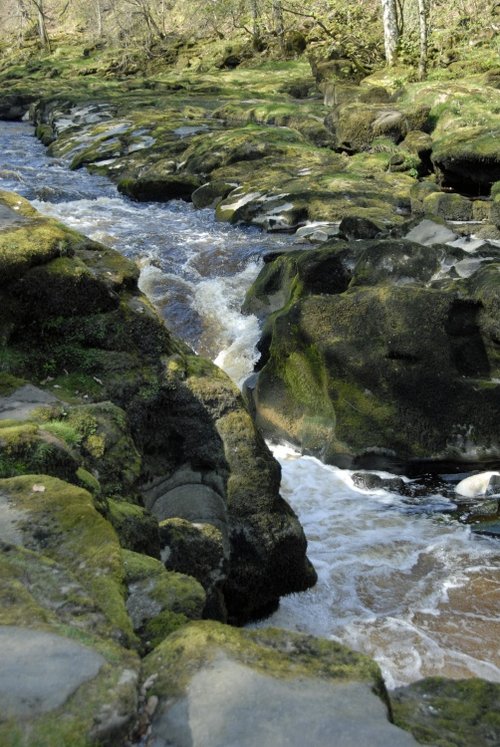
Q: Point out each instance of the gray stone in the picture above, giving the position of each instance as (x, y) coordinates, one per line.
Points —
(10, 518)
(20, 404)
(230, 705)
(40, 671)
(9, 217)
(427, 232)
(195, 502)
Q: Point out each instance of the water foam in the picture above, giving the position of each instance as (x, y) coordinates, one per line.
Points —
(392, 585)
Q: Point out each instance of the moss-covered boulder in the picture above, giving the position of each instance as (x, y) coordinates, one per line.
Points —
(449, 713)
(301, 689)
(346, 375)
(449, 206)
(161, 188)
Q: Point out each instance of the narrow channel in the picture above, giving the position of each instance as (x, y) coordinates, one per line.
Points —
(401, 579)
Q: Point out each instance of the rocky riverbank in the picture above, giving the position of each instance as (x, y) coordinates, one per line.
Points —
(137, 494)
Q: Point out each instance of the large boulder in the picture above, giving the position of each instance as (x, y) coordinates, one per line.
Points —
(380, 352)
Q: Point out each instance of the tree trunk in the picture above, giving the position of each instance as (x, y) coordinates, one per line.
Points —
(42, 28)
(256, 32)
(99, 17)
(279, 24)
(423, 15)
(391, 33)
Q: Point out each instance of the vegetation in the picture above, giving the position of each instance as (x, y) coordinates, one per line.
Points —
(419, 32)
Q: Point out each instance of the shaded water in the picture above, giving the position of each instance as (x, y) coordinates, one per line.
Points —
(398, 579)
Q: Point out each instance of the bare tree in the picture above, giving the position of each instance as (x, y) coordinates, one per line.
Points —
(279, 24)
(391, 30)
(423, 16)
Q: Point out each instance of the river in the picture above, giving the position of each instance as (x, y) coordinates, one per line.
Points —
(400, 579)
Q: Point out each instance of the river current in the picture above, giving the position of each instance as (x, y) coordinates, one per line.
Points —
(400, 579)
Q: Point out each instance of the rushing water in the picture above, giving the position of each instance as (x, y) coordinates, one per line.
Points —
(398, 578)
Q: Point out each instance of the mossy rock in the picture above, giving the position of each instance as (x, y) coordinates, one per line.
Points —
(35, 241)
(449, 713)
(162, 189)
(448, 206)
(494, 215)
(26, 448)
(481, 210)
(99, 437)
(200, 550)
(281, 673)
(60, 520)
(70, 690)
(159, 601)
(63, 287)
(208, 195)
(281, 654)
(137, 530)
(418, 193)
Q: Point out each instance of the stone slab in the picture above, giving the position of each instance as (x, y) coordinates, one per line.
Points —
(427, 232)
(20, 404)
(39, 671)
(230, 705)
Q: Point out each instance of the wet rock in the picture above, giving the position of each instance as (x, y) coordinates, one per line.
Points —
(210, 194)
(353, 227)
(370, 481)
(428, 232)
(13, 106)
(176, 186)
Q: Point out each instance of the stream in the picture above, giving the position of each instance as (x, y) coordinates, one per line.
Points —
(400, 579)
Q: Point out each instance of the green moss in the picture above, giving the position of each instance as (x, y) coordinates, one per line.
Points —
(273, 652)
(139, 567)
(23, 247)
(449, 713)
(136, 528)
(88, 481)
(161, 626)
(177, 597)
(9, 384)
(64, 431)
(78, 538)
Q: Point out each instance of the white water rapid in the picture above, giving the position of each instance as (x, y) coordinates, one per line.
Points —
(399, 578)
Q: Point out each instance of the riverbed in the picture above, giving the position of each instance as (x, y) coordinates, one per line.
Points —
(400, 579)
